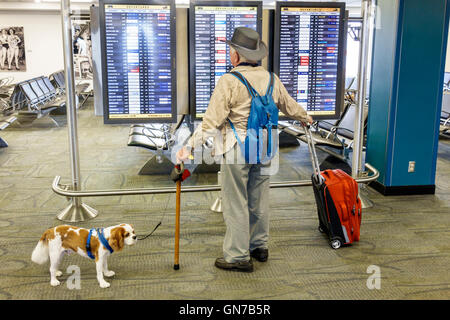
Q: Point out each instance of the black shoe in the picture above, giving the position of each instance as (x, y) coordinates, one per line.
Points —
(243, 266)
(260, 254)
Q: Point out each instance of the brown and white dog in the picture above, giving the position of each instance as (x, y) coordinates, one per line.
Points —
(65, 239)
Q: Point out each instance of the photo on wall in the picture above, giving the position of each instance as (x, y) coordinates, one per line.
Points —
(12, 49)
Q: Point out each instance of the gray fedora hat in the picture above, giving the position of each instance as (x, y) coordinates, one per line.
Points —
(247, 43)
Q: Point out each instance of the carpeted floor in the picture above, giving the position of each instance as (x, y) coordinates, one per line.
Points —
(406, 237)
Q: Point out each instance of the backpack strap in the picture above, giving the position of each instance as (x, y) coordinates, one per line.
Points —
(269, 90)
(252, 93)
(269, 93)
(236, 135)
(250, 89)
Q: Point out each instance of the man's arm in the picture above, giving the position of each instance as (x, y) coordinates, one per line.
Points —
(289, 106)
(216, 114)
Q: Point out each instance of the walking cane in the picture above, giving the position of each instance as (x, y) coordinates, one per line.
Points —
(179, 174)
(176, 265)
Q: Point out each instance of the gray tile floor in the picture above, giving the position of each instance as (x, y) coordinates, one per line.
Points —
(407, 237)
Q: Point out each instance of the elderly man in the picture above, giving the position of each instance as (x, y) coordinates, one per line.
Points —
(245, 187)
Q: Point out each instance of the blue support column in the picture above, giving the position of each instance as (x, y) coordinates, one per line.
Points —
(408, 63)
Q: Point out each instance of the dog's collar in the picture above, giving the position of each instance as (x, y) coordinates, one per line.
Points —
(103, 240)
(88, 244)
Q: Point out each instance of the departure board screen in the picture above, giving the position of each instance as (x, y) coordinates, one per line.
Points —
(138, 46)
(211, 26)
(309, 55)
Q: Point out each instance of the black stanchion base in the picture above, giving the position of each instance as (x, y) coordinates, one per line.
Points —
(176, 267)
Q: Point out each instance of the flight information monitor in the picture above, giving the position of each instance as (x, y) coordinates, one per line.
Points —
(309, 55)
(138, 43)
(211, 24)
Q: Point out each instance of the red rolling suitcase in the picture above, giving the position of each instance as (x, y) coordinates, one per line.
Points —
(338, 203)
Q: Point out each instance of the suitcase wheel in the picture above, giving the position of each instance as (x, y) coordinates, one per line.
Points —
(321, 229)
(335, 243)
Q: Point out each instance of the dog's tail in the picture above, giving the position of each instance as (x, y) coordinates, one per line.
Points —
(40, 252)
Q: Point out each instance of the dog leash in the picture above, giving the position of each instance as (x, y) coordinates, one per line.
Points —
(159, 223)
(178, 174)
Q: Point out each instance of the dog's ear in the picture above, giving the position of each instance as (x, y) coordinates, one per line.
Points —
(117, 238)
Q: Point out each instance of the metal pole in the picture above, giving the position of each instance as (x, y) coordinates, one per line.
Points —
(366, 8)
(76, 211)
(366, 29)
(217, 205)
(65, 191)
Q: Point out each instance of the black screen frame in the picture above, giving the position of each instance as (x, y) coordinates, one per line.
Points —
(341, 54)
(173, 48)
(193, 4)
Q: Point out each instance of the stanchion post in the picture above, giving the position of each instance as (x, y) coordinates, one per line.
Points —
(217, 205)
(77, 210)
(365, 45)
(365, 35)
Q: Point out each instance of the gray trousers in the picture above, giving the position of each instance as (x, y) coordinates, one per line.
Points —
(245, 203)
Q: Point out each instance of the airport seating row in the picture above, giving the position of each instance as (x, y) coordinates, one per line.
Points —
(42, 93)
(4, 123)
(6, 87)
(335, 134)
(350, 90)
(444, 128)
(27, 100)
(446, 81)
(150, 136)
(59, 81)
(36, 97)
(157, 136)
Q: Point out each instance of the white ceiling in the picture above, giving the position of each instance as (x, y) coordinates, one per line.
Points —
(54, 5)
(351, 3)
(49, 1)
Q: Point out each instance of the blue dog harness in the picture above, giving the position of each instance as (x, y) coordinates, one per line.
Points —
(102, 239)
(88, 244)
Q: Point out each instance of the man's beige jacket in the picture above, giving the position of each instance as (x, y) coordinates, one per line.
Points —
(231, 100)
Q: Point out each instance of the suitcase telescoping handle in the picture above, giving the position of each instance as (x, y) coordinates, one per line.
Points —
(312, 152)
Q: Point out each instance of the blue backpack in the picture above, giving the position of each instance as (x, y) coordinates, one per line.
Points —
(263, 117)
